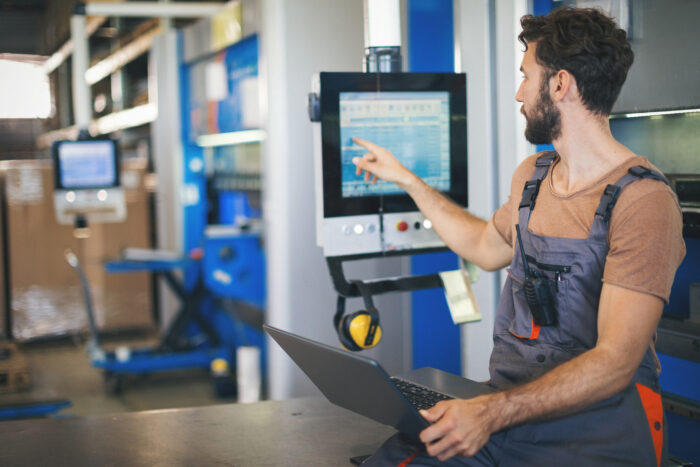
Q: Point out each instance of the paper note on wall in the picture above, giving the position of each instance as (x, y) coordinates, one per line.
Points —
(216, 81)
(460, 296)
(250, 105)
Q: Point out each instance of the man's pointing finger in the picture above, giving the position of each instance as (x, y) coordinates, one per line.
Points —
(366, 144)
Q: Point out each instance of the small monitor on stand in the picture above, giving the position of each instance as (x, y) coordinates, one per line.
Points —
(87, 182)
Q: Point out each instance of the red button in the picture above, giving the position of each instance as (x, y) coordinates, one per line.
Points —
(401, 226)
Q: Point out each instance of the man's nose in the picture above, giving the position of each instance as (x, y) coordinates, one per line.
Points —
(518, 94)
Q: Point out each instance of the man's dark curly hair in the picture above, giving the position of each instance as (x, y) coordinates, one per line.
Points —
(586, 43)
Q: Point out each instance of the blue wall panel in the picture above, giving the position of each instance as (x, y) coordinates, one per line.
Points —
(436, 340)
(430, 36)
(542, 7)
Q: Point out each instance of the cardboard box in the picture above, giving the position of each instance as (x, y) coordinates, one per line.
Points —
(46, 298)
(14, 374)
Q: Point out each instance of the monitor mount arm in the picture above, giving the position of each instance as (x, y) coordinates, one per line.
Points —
(352, 288)
(348, 289)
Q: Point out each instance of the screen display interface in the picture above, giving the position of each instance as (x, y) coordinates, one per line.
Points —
(87, 164)
(414, 126)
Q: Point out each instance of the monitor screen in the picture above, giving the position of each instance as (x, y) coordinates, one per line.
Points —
(414, 126)
(86, 164)
(419, 117)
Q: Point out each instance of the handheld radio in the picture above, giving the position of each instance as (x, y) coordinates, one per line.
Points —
(539, 292)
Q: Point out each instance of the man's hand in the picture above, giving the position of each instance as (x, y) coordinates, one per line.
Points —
(380, 163)
(461, 427)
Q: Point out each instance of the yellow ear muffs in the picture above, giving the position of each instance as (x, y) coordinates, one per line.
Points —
(359, 330)
(346, 340)
(355, 329)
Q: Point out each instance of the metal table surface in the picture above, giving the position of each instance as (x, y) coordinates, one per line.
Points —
(295, 432)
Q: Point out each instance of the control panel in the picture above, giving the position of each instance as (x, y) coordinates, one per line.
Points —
(358, 235)
(409, 231)
(97, 206)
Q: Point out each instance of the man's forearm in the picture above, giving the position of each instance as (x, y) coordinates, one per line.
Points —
(578, 383)
(461, 231)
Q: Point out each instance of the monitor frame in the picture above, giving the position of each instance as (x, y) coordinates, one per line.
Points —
(58, 184)
(332, 84)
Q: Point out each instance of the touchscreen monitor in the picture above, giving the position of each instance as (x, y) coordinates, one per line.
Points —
(414, 126)
(419, 117)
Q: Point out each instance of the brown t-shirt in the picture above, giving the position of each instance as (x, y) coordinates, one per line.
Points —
(645, 228)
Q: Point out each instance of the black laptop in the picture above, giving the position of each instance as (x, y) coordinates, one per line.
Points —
(360, 384)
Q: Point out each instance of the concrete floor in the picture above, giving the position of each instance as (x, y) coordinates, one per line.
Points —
(61, 369)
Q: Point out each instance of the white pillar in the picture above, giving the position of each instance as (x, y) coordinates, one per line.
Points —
(82, 108)
(168, 157)
(301, 298)
(486, 48)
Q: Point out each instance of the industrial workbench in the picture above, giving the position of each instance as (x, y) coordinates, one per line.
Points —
(295, 432)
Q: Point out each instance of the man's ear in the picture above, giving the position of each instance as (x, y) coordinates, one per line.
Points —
(563, 86)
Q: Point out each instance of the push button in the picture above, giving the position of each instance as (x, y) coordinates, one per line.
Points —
(540, 358)
(402, 226)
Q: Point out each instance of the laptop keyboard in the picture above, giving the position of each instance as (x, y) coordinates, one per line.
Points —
(418, 396)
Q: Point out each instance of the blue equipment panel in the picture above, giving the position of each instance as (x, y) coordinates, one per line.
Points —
(234, 267)
(682, 438)
(688, 273)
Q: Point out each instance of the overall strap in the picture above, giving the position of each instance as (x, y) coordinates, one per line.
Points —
(532, 186)
(599, 229)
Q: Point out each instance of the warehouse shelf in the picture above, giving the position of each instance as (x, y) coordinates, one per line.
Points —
(231, 138)
(129, 118)
(120, 57)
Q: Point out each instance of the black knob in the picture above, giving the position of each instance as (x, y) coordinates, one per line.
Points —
(227, 253)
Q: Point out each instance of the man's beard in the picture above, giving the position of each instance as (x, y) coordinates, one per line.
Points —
(545, 125)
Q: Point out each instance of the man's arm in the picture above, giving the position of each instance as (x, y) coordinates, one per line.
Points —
(627, 321)
(472, 238)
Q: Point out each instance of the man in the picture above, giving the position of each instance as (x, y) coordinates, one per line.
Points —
(597, 232)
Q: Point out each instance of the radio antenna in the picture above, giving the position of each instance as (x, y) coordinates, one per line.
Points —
(522, 251)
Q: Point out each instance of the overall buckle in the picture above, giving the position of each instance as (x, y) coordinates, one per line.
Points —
(532, 187)
(607, 202)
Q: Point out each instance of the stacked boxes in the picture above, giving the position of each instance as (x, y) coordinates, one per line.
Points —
(45, 297)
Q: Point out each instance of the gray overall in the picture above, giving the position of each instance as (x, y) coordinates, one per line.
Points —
(625, 429)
